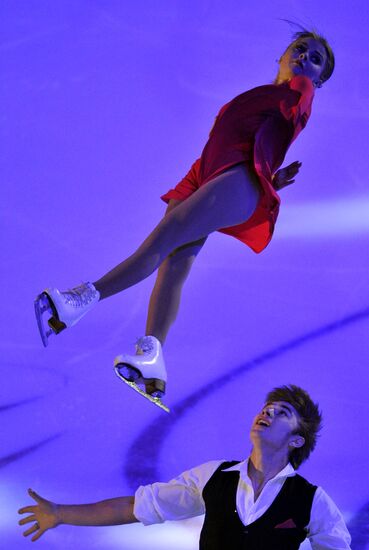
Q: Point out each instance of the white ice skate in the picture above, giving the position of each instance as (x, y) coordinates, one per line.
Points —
(146, 368)
(63, 309)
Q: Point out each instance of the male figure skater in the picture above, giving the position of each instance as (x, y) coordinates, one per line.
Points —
(260, 503)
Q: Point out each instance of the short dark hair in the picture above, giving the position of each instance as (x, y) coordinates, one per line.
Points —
(330, 62)
(310, 419)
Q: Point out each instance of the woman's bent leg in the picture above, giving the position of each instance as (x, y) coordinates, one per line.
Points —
(227, 200)
(166, 294)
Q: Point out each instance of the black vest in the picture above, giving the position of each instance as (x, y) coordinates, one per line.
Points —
(223, 529)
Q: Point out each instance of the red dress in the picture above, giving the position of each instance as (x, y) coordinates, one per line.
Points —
(257, 128)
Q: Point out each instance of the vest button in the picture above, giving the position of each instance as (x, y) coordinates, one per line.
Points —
(246, 531)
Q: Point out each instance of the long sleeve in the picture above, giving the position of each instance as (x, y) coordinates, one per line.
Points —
(180, 498)
(271, 144)
(278, 131)
(327, 529)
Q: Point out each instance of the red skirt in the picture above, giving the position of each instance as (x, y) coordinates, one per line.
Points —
(256, 232)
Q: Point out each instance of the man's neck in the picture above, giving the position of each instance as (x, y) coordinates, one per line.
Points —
(263, 465)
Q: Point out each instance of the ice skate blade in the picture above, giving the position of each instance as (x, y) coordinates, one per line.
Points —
(153, 386)
(156, 400)
(43, 306)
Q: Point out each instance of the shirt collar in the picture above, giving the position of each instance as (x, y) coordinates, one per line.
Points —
(288, 471)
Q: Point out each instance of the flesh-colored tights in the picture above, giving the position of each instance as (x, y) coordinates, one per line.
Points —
(228, 199)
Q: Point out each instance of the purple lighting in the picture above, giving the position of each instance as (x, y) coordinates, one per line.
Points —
(104, 107)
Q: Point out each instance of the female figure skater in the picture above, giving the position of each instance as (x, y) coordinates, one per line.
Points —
(231, 188)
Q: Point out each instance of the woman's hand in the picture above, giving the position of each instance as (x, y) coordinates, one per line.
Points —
(284, 176)
(44, 516)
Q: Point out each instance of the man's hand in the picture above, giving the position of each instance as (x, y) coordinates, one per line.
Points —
(284, 176)
(43, 515)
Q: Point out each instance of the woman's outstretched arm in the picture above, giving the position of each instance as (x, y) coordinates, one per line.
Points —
(46, 515)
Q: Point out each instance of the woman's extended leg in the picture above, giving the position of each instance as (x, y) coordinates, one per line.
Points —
(229, 199)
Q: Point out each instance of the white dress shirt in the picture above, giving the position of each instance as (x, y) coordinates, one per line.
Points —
(181, 498)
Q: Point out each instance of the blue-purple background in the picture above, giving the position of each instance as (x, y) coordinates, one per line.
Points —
(104, 105)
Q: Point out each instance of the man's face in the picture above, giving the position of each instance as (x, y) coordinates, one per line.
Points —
(275, 426)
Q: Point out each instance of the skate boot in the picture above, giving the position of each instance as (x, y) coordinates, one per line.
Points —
(146, 368)
(63, 309)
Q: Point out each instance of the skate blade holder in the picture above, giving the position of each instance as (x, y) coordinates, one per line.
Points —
(132, 377)
(44, 307)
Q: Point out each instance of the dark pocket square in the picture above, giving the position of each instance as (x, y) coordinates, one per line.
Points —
(288, 524)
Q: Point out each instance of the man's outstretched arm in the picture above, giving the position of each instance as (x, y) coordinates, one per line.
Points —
(45, 515)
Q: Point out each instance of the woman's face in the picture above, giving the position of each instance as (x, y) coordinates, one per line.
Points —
(305, 56)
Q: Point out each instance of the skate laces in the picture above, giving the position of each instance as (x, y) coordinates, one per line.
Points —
(80, 296)
(145, 344)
